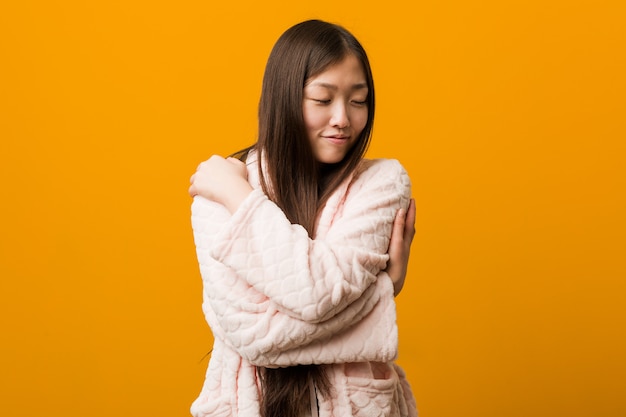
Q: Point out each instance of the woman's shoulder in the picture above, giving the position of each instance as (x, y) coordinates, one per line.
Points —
(382, 168)
(380, 176)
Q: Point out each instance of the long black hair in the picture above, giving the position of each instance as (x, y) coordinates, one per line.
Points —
(290, 174)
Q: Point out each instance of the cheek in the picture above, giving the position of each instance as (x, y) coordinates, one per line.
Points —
(313, 118)
(360, 120)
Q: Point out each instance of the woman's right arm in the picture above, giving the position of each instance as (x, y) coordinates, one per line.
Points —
(314, 280)
(254, 327)
(263, 331)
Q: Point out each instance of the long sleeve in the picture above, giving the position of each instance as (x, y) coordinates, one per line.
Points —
(264, 336)
(279, 298)
(314, 279)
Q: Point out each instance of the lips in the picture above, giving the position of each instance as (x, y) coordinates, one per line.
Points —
(337, 139)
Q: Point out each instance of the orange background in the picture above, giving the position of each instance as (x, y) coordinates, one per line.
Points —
(509, 116)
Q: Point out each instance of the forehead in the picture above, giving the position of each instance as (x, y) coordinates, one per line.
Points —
(346, 73)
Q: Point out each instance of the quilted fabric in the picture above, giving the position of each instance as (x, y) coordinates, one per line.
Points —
(275, 297)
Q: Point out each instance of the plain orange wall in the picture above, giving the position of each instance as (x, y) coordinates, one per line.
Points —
(509, 115)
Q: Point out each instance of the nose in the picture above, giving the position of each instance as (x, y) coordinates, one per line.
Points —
(339, 117)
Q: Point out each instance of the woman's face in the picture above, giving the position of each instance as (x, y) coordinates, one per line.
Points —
(335, 109)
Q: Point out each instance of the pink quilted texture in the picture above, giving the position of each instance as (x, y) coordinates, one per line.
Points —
(275, 297)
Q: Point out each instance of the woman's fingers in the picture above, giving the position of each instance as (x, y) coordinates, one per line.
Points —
(409, 223)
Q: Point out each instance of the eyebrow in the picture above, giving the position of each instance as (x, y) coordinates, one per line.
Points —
(333, 87)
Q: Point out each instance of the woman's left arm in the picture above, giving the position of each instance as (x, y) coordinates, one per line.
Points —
(264, 334)
(314, 279)
(400, 246)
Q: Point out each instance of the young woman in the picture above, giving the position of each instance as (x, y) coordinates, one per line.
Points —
(295, 246)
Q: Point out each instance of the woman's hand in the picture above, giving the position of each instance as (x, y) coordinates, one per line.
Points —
(400, 246)
(224, 181)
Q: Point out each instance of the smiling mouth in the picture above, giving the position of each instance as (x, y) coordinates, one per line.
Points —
(337, 140)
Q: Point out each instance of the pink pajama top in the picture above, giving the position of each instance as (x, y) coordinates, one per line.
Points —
(275, 297)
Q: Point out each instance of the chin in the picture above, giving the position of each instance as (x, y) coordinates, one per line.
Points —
(331, 158)
(330, 161)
